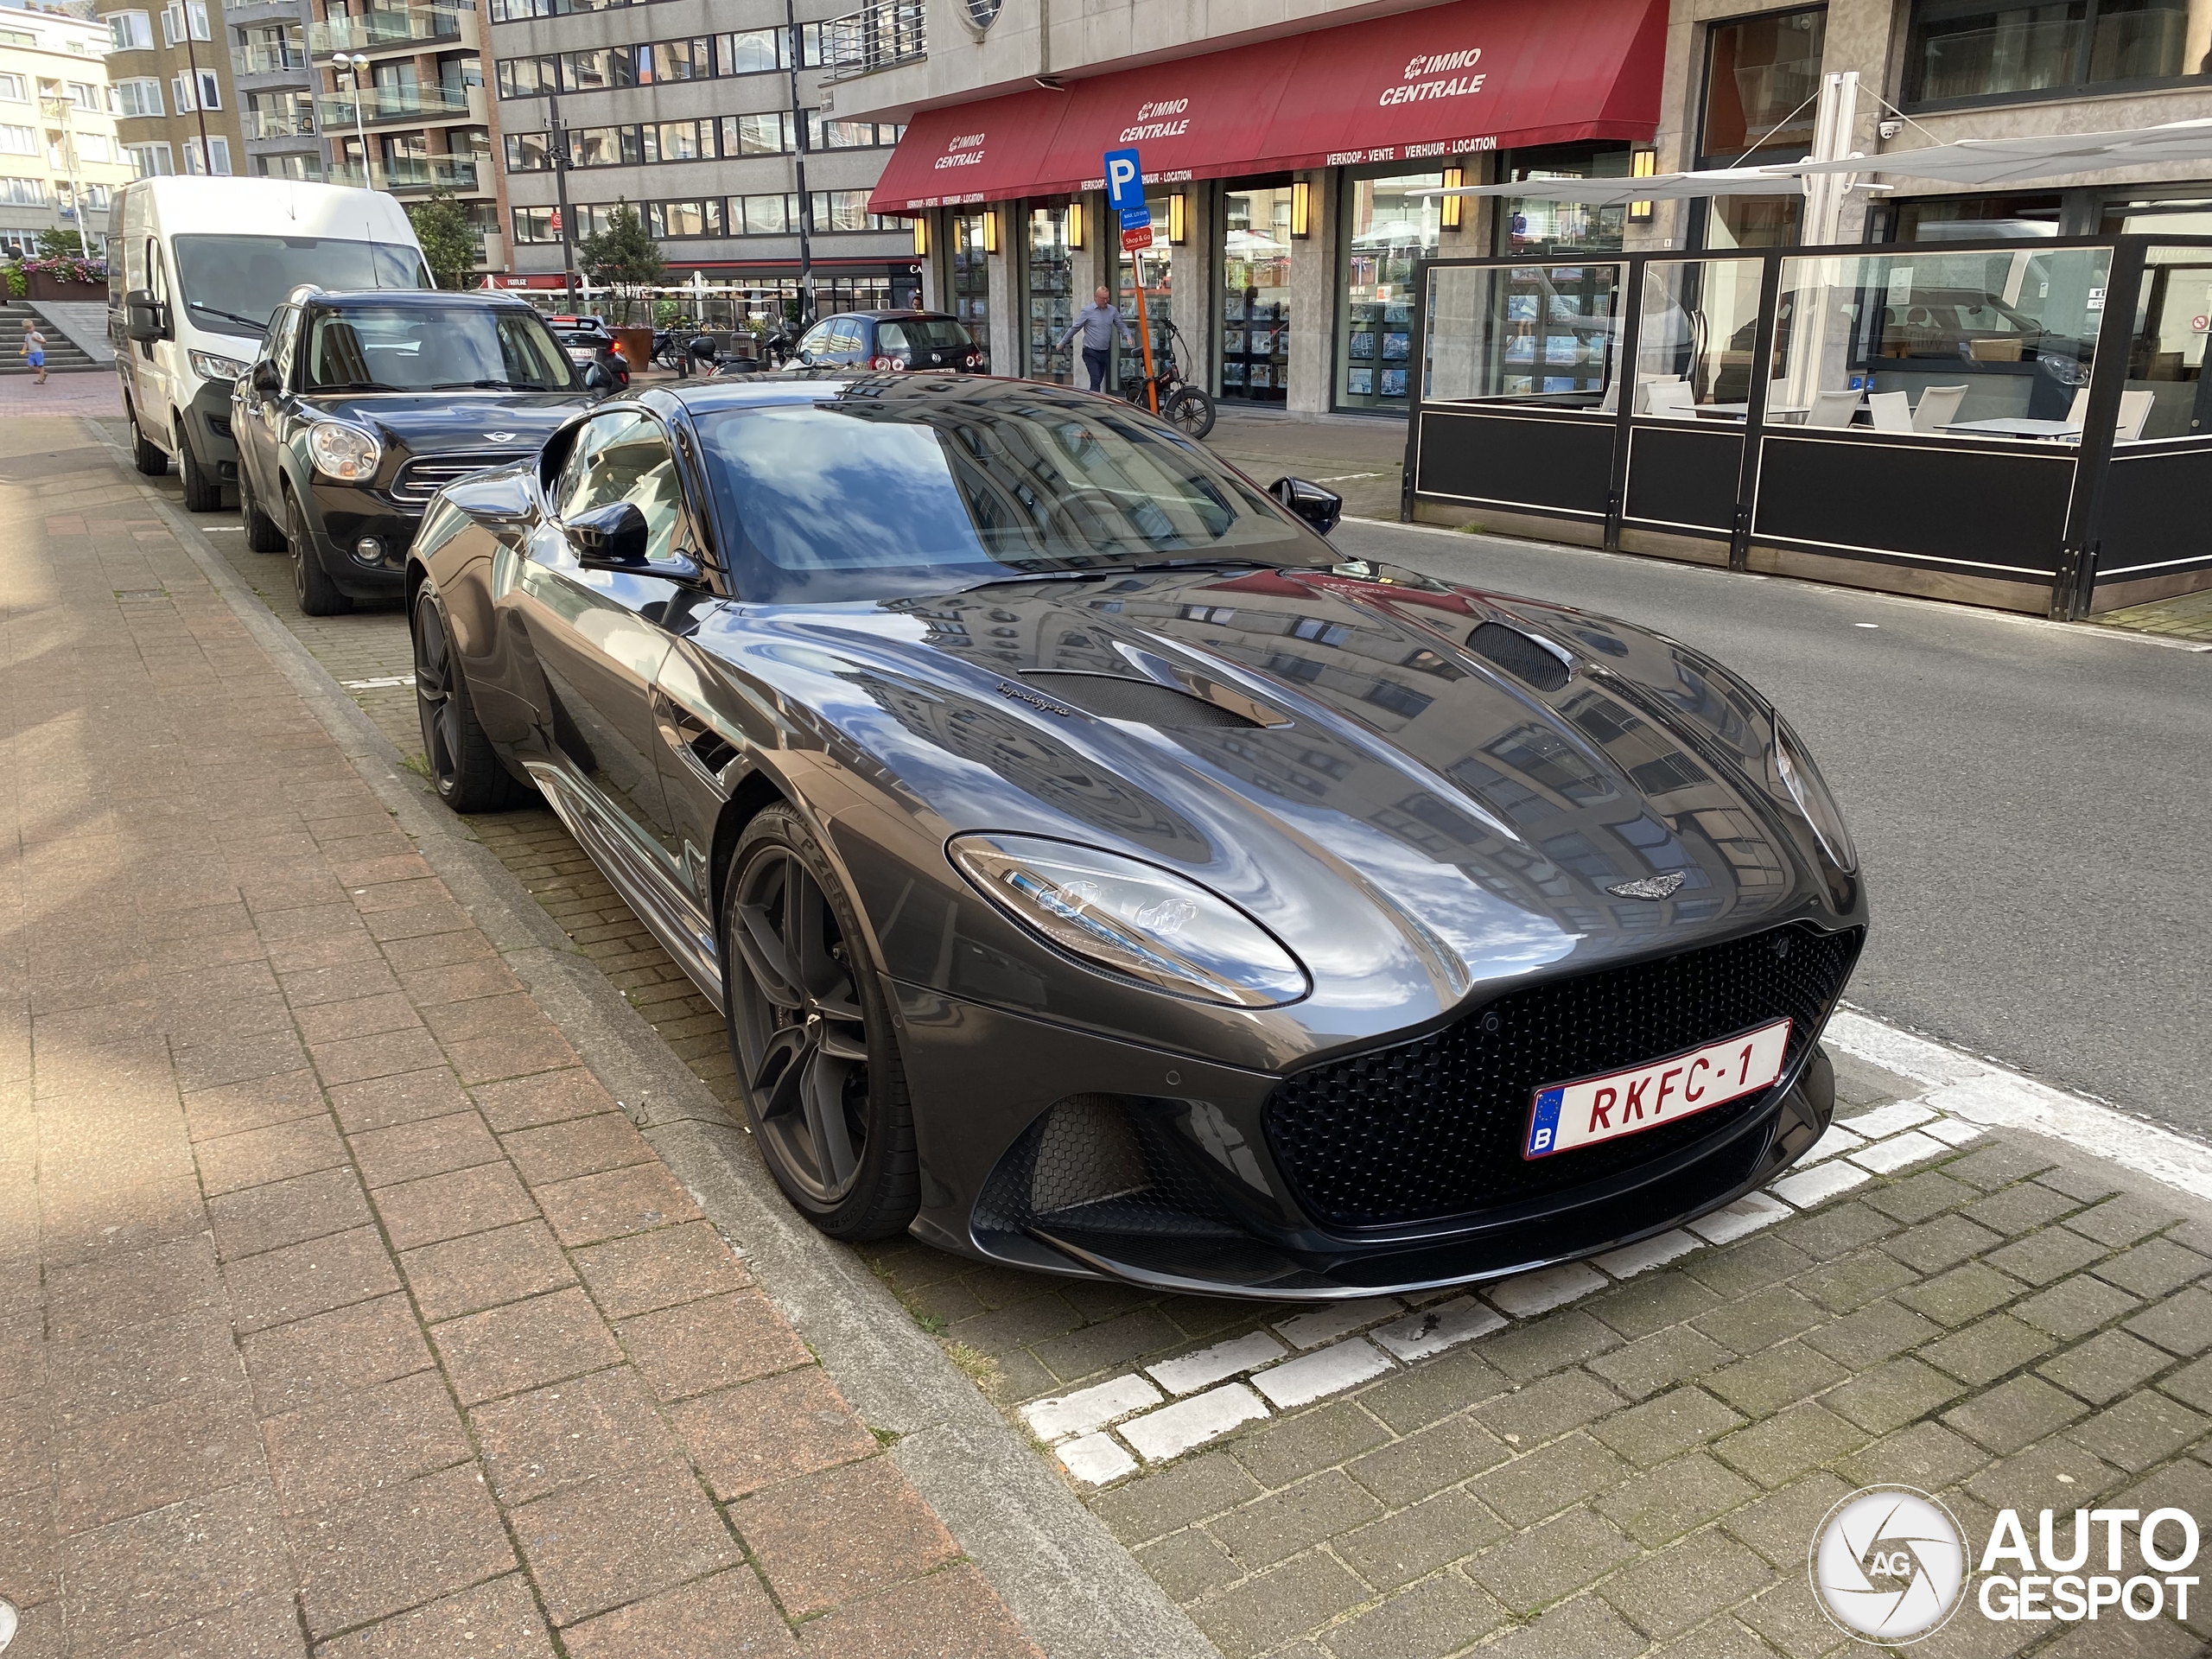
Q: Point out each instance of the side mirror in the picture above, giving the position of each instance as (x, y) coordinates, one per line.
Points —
(598, 380)
(266, 379)
(609, 539)
(1318, 507)
(143, 318)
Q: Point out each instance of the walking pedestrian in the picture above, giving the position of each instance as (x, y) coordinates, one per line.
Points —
(1097, 322)
(35, 349)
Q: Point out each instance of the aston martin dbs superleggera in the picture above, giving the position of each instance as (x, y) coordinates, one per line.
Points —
(1102, 875)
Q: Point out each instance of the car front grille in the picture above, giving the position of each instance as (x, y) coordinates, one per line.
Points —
(419, 480)
(1433, 1128)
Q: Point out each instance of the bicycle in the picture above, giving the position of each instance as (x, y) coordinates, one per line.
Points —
(1183, 406)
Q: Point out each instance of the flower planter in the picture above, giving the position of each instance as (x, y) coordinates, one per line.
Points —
(636, 346)
(44, 285)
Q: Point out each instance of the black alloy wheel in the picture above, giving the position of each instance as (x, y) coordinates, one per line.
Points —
(1190, 411)
(203, 490)
(145, 454)
(812, 1038)
(311, 584)
(263, 533)
(464, 769)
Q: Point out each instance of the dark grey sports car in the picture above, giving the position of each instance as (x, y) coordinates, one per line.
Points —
(1102, 875)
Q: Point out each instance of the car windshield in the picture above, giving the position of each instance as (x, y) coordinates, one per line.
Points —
(234, 283)
(419, 348)
(859, 496)
(922, 335)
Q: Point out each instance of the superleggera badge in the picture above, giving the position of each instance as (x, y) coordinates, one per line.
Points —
(1023, 693)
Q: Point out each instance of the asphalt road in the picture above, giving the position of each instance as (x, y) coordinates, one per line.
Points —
(2032, 804)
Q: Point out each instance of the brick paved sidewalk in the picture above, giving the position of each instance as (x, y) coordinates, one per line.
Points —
(340, 1307)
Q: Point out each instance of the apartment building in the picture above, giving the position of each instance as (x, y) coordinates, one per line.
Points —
(404, 106)
(60, 157)
(685, 110)
(177, 102)
(275, 86)
(1283, 147)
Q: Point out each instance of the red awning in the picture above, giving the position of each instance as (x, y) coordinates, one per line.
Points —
(1449, 80)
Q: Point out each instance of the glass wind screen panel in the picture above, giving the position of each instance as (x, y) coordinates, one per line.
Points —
(1975, 49)
(1256, 320)
(1051, 295)
(1761, 78)
(1696, 339)
(2166, 394)
(2007, 335)
(1532, 332)
(1388, 232)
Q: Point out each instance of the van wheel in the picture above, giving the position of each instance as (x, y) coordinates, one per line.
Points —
(146, 457)
(263, 533)
(311, 584)
(203, 492)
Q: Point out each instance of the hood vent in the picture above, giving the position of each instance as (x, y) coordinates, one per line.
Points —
(1523, 657)
(1147, 702)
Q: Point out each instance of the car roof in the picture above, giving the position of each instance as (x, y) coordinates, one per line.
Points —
(427, 298)
(907, 387)
(892, 316)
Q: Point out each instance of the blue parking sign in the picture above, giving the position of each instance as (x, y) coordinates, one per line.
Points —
(1125, 188)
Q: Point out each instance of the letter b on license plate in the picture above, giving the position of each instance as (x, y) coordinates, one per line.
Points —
(1569, 1114)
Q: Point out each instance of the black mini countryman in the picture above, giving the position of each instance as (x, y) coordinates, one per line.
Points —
(361, 407)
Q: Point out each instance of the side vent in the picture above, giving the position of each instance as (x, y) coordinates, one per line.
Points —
(1520, 656)
(1147, 703)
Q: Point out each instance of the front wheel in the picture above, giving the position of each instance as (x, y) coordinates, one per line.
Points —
(1190, 411)
(145, 454)
(203, 490)
(811, 1036)
(464, 769)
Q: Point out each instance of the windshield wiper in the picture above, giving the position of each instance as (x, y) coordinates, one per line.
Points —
(480, 386)
(261, 327)
(1103, 572)
(358, 385)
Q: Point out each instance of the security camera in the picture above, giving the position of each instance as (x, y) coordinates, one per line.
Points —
(1890, 129)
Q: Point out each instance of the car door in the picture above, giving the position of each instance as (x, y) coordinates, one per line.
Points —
(599, 640)
(816, 347)
(259, 433)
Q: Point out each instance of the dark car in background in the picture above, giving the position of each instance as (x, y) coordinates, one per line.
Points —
(1102, 875)
(359, 407)
(587, 345)
(889, 339)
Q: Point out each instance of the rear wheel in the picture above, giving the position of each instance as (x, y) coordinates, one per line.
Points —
(145, 454)
(263, 533)
(1190, 411)
(464, 769)
(812, 1038)
(203, 491)
(311, 584)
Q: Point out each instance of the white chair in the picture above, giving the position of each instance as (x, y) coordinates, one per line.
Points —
(1893, 411)
(1676, 399)
(2079, 410)
(1938, 404)
(1833, 408)
(1645, 383)
(2134, 409)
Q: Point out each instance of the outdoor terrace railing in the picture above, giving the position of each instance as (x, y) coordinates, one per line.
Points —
(877, 36)
(384, 27)
(417, 102)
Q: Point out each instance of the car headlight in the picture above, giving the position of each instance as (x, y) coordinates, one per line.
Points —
(212, 365)
(1133, 919)
(345, 453)
(1794, 767)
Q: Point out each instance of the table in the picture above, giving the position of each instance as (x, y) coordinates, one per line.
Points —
(2017, 426)
(1742, 411)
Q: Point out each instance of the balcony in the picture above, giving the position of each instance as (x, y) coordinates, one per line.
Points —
(269, 60)
(414, 174)
(278, 124)
(339, 111)
(880, 36)
(386, 27)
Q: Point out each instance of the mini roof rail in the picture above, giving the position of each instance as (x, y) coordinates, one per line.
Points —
(304, 290)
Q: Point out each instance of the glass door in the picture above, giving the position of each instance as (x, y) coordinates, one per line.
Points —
(1387, 233)
(1050, 283)
(1255, 320)
(969, 285)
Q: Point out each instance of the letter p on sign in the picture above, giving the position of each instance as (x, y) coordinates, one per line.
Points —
(1124, 183)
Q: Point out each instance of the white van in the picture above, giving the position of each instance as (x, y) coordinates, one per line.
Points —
(195, 268)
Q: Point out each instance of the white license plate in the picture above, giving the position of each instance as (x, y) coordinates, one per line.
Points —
(1580, 1114)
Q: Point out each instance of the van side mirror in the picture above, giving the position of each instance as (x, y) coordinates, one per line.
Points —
(609, 539)
(1318, 507)
(143, 318)
(266, 378)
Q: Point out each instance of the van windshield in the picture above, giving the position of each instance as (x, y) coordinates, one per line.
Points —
(233, 284)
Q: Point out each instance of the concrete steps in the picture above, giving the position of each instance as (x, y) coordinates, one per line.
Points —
(63, 354)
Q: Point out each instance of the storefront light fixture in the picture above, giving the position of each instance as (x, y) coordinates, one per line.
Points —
(1301, 209)
(1641, 164)
(1178, 230)
(1075, 225)
(1454, 177)
(990, 229)
(921, 235)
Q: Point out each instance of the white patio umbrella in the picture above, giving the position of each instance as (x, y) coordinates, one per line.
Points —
(2020, 161)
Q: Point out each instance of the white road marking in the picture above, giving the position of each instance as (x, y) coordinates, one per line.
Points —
(374, 685)
(1172, 1430)
(1217, 1363)
(1089, 1408)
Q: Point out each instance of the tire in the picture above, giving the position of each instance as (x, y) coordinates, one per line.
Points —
(311, 584)
(145, 454)
(1190, 411)
(465, 770)
(263, 533)
(203, 492)
(824, 1089)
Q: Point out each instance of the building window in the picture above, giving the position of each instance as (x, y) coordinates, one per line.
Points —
(18, 141)
(22, 193)
(528, 77)
(767, 215)
(1533, 225)
(679, 141)
(752, 52)
(692, 60)
(1962, 51)
(1762, 92)
(151, 161)
(1387, 232)
(219, 150)
(138, 97)
(172, 21)
(209, 91)
(1952, 218)
(846, 210)
(769, 134)
(14, 89)
(130, 31)
(1256, 298)
(677, 219)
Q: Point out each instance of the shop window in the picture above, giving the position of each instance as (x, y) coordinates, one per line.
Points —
(1532, 225)
(1050, 282)
(1961, 51)
(2186, 216)
(1762, 93)
(1387, 232)
(1971, 219)
(970, 283)
(1256, 320)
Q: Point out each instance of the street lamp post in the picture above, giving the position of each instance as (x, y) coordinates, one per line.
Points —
(350, 65)
(556, 137)
(798, 170)
(199, 98)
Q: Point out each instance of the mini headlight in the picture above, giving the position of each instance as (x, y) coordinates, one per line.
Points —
(1133, 919)
(210, 365)
(1794, 766)
(345, 453)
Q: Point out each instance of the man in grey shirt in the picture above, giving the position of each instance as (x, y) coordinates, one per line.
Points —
(1097, 322)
